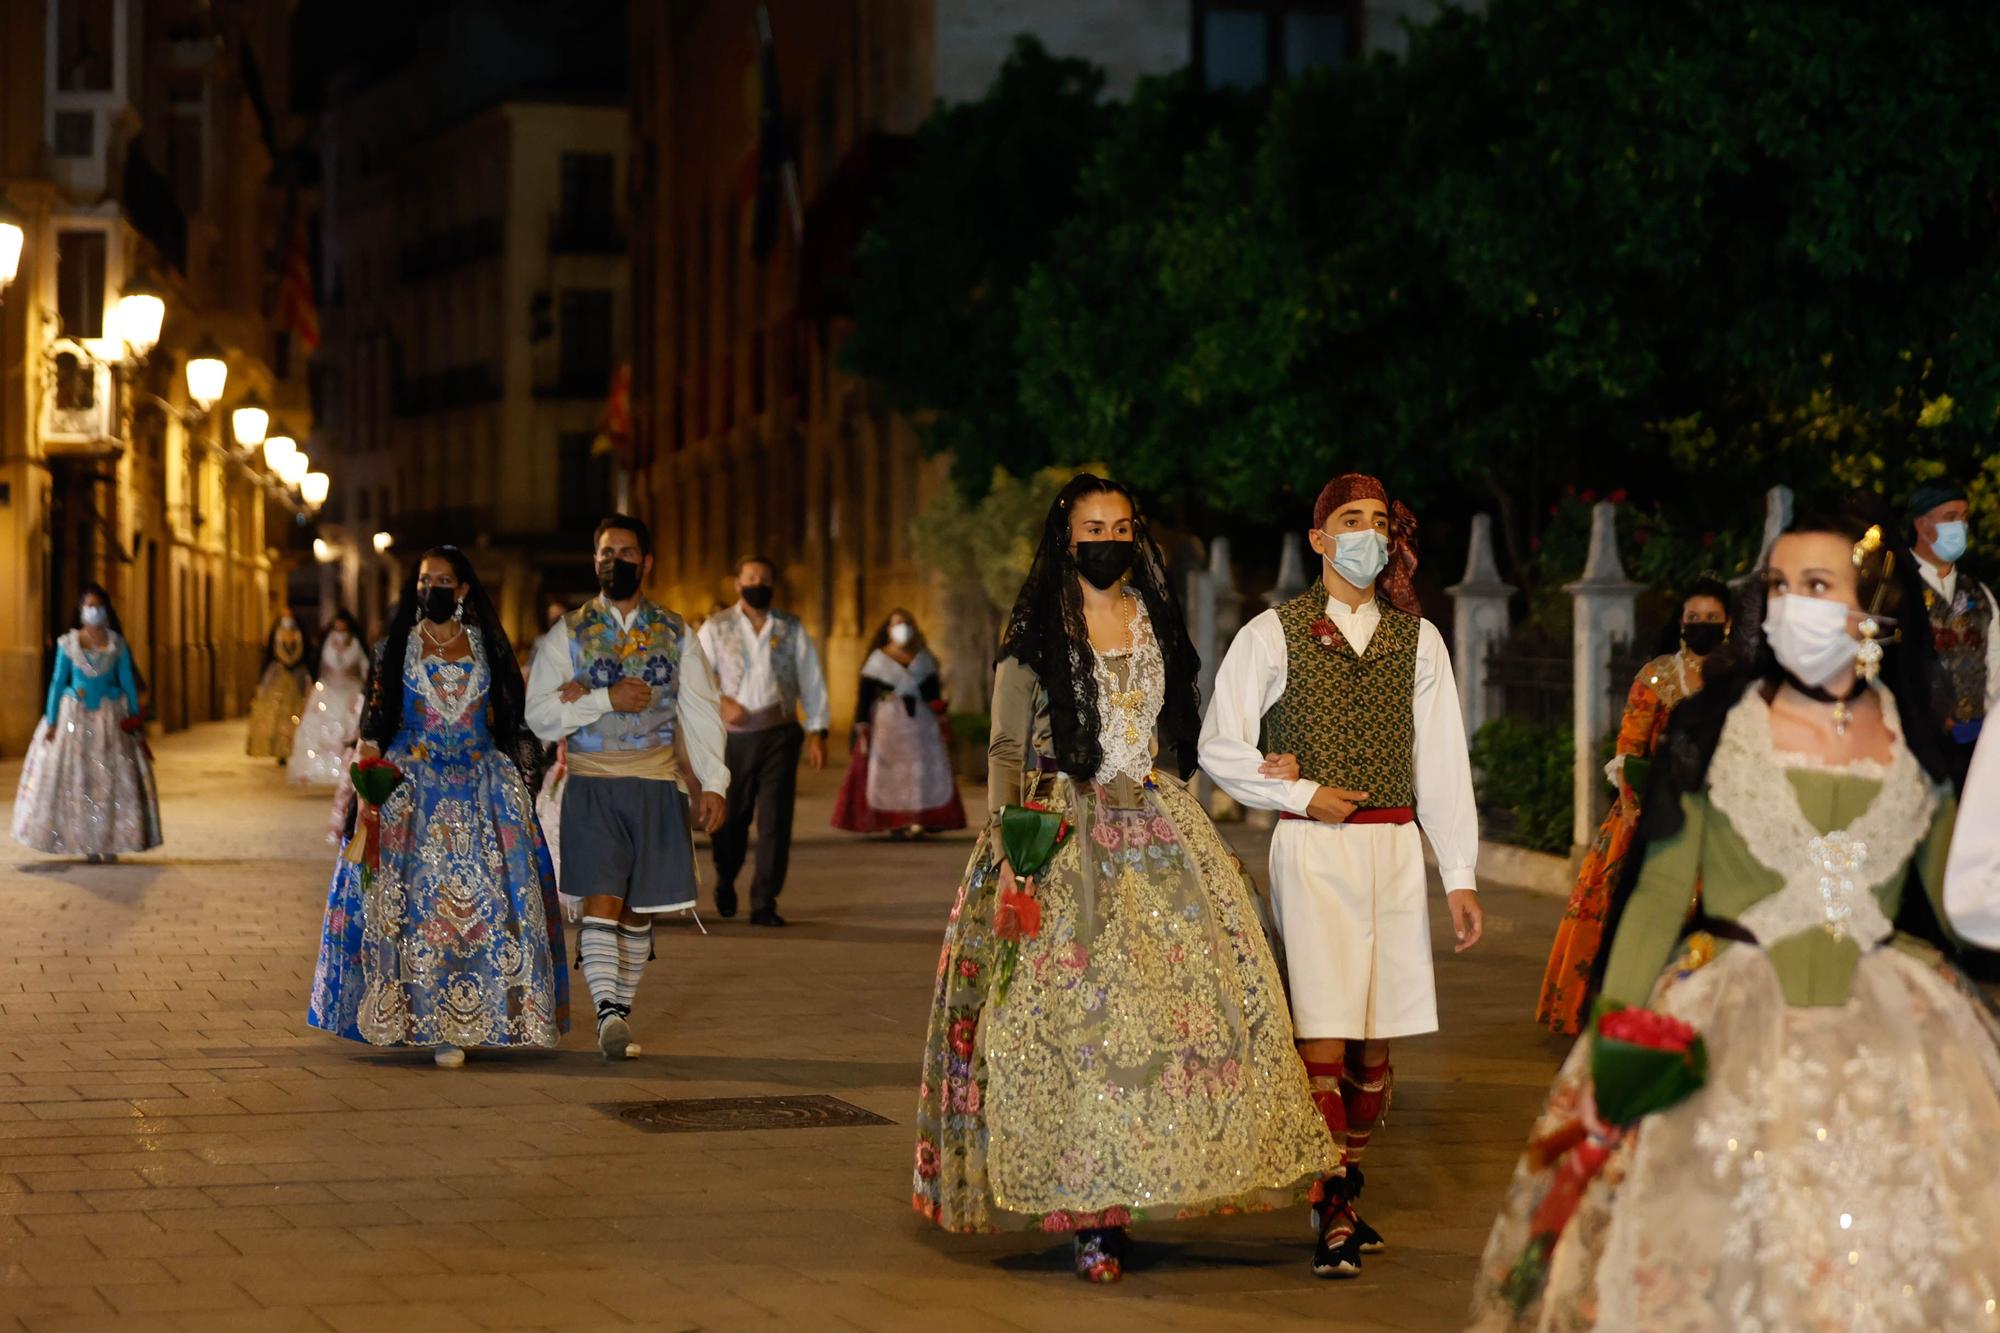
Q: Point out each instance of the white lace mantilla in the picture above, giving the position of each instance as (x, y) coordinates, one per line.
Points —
(455, 686)
(1126, 717)
(1829, 879)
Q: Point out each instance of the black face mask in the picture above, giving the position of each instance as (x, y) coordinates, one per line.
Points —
(438, 604)
(1103, 563)
(1704, 638)
(618, 578)
(758, 596)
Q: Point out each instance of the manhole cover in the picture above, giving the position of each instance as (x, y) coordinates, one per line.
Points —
(713, 1115)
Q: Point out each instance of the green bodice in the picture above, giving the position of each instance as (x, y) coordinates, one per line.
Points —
(1709, 856)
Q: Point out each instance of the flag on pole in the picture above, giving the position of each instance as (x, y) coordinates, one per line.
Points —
(298, 313)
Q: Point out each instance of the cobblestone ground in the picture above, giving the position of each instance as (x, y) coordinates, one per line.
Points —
(178, 1150)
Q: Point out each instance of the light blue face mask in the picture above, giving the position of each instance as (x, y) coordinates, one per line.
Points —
(1951, 540)
(1359, 557)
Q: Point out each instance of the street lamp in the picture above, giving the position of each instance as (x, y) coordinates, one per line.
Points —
(293, 467)
(323, 551)
(383, 541)
(136, 319)
(250, 422)
(13, 233)
(207, 374)
(277, 448)
(313, 488)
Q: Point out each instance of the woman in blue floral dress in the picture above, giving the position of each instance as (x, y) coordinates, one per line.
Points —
(456, 940)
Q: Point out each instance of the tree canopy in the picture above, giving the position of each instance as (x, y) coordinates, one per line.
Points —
(1685, 249)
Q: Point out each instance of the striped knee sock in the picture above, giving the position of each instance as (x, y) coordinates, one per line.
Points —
(635, 946)
(1366, 1101)
(1323, 1081)
(597, 951)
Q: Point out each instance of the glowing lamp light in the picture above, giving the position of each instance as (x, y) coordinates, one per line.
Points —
(313, 488)
(207, 374)
(293, 468)
(136, 319)
(250, 423)
(323, 551)
(383, 541)
(277, 448)
(12, 236)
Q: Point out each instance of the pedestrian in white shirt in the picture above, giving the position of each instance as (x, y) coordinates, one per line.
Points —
(623, 682)
(1965, 619)
(769, 671)
(1354, 691)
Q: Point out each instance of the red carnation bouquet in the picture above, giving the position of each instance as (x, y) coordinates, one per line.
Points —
(1030, 835)
(374, 780)
(1641, 1061)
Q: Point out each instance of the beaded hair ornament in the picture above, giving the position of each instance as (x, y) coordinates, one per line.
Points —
(1868, 660)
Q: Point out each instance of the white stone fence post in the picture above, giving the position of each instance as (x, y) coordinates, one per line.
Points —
(1605, 614)
(1482, 616)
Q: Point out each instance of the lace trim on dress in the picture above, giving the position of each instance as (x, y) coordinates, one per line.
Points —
(1872, 770)
(453, 687)
(1829, 878)
(90, 661)
(1127, 717)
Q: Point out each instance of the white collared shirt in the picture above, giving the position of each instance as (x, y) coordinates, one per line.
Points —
(1249, 683)
(1946, 586)
(755, 684)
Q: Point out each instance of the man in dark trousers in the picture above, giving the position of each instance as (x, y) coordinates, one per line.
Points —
(769, 671)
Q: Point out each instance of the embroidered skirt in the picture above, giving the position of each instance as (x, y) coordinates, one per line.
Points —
(87, 785)
(1141, 1064)
(1835, 1172)
(457, 938)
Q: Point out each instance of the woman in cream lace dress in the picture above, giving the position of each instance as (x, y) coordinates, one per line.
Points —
(1836, 1170)
(1140, 1065)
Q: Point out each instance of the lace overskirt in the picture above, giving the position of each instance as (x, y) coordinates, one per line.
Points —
(1141, 1064)
(1835, 1173)
(274, 712)
(87, 785)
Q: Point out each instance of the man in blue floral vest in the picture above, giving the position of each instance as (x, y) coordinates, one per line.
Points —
(1965, 620)
(626, 685)
(769, 671)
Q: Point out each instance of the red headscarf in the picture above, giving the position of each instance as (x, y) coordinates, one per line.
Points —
(1398, 580)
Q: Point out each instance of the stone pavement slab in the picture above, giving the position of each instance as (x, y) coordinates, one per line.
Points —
(179, 1151)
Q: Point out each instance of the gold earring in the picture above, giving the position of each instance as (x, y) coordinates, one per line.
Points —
(1868, 662)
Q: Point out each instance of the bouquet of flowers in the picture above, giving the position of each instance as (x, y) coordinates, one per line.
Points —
(374, 780)
(1641, 1061)
(1030, 835)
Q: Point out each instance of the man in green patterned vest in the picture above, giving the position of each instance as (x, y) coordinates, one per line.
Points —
(1362, 741)
(1965, 621)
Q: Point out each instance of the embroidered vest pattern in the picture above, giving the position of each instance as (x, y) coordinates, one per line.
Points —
(1349, 718)
(1959, 628)
(785, 630)
(602, 655)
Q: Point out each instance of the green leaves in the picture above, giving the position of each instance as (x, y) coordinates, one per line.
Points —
(1030, 837)
(1682, 248)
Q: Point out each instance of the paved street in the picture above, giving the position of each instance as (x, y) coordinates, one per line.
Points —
(178, 1150)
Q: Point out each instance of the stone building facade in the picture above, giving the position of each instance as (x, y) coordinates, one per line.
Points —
(138, 141)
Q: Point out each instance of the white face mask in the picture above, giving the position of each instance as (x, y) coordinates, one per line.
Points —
(901, 633)
(1810, 639)
(93, 615)
(1359, 557)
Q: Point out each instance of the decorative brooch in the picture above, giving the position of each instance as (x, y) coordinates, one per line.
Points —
(1326, 634)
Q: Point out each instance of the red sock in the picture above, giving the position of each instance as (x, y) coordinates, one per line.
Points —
(1324, 1080)
(1364, 1101)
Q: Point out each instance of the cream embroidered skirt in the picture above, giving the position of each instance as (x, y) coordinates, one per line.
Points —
(1836, 1172)
(1141, 1065)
